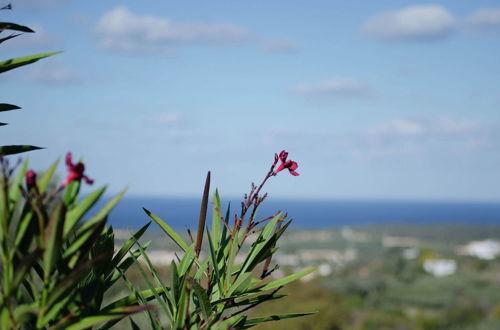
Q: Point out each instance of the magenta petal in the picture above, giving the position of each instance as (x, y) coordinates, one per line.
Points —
(294, 173)
(88, 180)
(280, 168)
(68, 159)
(293, 166)
(283, 155)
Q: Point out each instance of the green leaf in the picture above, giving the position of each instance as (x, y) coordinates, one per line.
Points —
(216, 218)
(16, 149)
(257, 300)
(201, 270)
(104, 211)
(23, 268)
(275, 318)
(71, 193)
(215, 264)
(44, 181)
(132, 299)
(285, 280)
(20, 61)
(105, 316)
(262, 242)
(15, 190)
(181, 307)
(75, 215)
(268, 248)
(168, 230)
(187, 260)
(8, 107)
(203, 300)
(85, 236)
(14, 27)
(128, 245)
(165, 291)
(53, 238)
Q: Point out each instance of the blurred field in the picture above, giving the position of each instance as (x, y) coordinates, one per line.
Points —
(375, 278)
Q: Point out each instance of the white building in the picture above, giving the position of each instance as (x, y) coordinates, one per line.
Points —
(440, 267)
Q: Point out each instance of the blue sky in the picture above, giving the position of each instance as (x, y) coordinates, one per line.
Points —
(373, 99)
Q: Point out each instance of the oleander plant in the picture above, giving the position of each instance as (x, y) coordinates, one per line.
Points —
(216, 291)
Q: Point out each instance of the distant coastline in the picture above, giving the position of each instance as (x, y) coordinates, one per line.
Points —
(183, 212)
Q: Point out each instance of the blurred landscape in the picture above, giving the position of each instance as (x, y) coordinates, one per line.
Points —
(412, 274)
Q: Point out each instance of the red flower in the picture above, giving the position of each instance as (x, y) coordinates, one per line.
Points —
(31, 178)
(290, 165)
(75, 172)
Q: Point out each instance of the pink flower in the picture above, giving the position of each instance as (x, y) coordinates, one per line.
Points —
(31, 178)
(290, 165)
(283, 155)
(75, 172)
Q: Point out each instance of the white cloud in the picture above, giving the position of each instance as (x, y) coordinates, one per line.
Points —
(280, 46)
(122, 30)
(484, 19)
(426, 126)
(423, 22)
(336, 88)
(400, 127)
(53, 73)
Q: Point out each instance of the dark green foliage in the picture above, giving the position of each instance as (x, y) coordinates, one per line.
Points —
(216, 291)
(56, 269)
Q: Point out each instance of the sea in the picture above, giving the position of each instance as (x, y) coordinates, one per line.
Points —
(183, 213)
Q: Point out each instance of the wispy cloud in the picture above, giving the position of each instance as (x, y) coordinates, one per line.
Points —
(414, 23)
(485, 19)
(426, 126)
(123, 30)
(280, 46)
(54, 72)
(336, 88)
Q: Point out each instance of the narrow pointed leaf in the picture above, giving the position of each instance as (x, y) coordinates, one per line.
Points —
(15, 190)
(8, 107)
(14, 27)
(168, 230)
(200, 293)
(76, 214)
(128, 245)
(44, 181)
(106, 316)
(104, 211)
(20, 61)
(53, 238)
(285, 280)
(16, 149)
(275, 318)
(216, 218)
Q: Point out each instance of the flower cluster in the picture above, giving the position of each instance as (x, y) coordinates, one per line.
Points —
(75, 173)
(288, 164)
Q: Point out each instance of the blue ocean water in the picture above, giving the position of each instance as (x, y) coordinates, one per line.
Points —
(182, 213)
